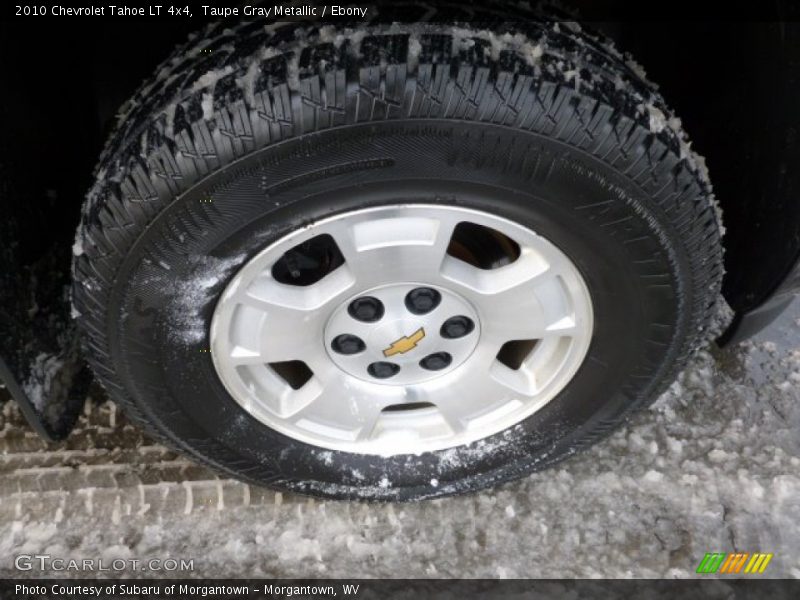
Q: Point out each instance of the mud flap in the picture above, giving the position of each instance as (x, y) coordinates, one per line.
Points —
(41, 363)
(40, 357)
(62, 409)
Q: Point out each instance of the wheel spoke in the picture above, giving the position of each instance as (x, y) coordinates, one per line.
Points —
(522, 380)
(288, 333)
(368, 421)
(272, 293)
(528, 268)
(350, 412)
(292, 402)
(292, 318)
(395, 248)
(504, 323)
(239, 355)
(523, 300)
(469, 397)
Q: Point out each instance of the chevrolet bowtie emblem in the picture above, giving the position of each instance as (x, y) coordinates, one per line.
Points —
(405, 343)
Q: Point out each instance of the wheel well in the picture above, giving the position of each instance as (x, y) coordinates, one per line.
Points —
(735, 86)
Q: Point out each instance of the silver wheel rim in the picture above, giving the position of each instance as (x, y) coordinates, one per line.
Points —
(274, 344)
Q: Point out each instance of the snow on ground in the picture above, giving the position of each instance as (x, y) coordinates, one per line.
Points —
(714, 465)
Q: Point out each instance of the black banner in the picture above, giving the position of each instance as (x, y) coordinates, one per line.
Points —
(88, 11)
(251, 589)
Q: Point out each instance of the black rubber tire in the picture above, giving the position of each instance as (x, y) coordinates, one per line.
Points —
(227, 150)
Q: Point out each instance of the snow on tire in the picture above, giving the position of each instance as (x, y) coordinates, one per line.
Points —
(549, 147)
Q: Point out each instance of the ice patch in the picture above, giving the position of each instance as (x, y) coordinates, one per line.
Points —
(44, 372)
(210, 78)
(77, 247)
(207, 104)
(293, 72)
(530, 51)
(192, 295)
(414, 50)
(637, 69)
(657, 120)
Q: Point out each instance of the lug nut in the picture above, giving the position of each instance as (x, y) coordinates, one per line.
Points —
(456, 327)
(436, 361)
(366, 309)
(422, 300)
(383, 370)
(348, 344)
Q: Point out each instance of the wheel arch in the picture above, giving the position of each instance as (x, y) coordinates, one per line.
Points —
(736, 90)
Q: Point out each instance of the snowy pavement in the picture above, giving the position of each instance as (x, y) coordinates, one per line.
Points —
(713, 465)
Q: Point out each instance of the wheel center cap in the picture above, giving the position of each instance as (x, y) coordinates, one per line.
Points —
(402, 334)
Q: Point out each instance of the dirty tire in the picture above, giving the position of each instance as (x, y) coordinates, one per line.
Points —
(245, 134)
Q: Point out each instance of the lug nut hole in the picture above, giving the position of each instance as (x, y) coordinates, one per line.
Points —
(422, 300)
(456, 327)
(348, 344)
(383, 370)
(366, 309)
(436, 361)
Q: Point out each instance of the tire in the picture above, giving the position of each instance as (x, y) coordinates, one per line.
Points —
(225, 153)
